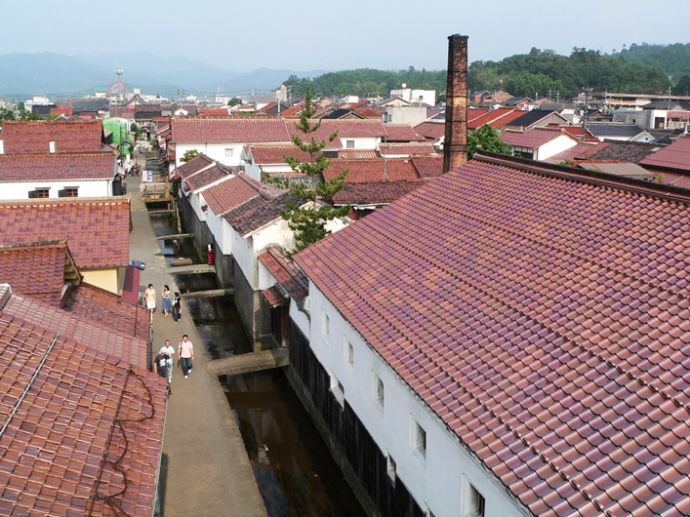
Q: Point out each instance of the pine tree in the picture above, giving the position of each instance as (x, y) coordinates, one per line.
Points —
(308, 209)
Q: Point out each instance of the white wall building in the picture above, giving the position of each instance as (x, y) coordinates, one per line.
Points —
(427, 97)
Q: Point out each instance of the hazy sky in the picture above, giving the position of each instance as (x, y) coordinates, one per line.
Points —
(304, 35)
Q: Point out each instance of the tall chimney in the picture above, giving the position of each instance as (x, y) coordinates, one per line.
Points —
(455, 143)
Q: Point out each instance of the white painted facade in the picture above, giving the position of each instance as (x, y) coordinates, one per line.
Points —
(87, 188)
(359, 143)
(553, 147)
(440, 479)
(416, 96)
(227, 153)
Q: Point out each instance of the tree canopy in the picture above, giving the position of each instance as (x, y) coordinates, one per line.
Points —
(485, 138)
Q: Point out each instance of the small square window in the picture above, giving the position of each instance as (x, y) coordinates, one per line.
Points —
(418, 439)
(69, 192)
(349, 144)
(229, 151)
(39, 192)
(378, 392)
(349, 354)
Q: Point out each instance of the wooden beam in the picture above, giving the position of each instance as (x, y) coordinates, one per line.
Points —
(175, 236)
(191, 269)
(248, 363)
(210, 293)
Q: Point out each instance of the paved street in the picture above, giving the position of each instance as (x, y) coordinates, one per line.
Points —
(206, 471)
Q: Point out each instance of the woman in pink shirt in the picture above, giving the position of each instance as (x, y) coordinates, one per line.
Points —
(185, 352)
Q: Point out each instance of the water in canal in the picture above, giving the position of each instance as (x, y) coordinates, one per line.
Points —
(294, 470)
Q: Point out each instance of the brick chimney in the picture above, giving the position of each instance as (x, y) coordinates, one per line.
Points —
(455, 143)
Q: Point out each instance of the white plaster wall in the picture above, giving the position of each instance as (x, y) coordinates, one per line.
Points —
(195, 201)
(215, 226)
(435, 482)
(90, 188)
(368, 144)
(214, 151)
(243, 252)
(555, 146)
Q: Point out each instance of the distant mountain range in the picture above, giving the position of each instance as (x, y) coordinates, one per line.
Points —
(52, 74)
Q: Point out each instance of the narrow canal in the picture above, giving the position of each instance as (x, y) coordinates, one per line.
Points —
(294, 470)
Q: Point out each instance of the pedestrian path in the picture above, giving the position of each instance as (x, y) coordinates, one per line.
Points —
(205, 469)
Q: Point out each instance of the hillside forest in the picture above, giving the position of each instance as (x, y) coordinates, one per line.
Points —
(640, 68)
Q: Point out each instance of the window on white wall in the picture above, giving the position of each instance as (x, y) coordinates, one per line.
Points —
(229, 151)
(349, 354)
(337, 390)
(418, 439)
(349, 144)
(325, 326)
(390, 468)
(474, 505)
(377, 391)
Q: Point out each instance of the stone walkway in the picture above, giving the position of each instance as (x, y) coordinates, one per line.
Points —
(205, 471)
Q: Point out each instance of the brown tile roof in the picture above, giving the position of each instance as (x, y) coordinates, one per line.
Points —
(531, 138)
(196, 164)
(275, 154)
(206, 177)
(96, 229)
(496, 118)
(84, 431)
(543, 315)
(345, 128)
(374, 193)
(257, 212)
(674, 156)
(412, 149)
(633, 152)
(364, 171)
(38, 269)
(47, 166)
(106, 339)
(62, 110)
(431, 130)
(428, 166)
(192, 130)
(69, 136)
(213, 112)
(100, 306)
(357, 154)
(400, 133)
(578, 152)
(287, 274)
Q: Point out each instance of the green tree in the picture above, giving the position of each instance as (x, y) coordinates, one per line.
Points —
(308, 209)
(6, 114)
(234, 101)
(682, 87)
(189, 155)
(486, 138)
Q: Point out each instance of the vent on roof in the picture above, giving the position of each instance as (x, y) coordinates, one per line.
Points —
(5, 294)
(52, 147)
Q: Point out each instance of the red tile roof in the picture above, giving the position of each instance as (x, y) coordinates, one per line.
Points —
(99, 336)
(213, 112)
(431, 130)
(531, 138)
(345, 128)
(275, 154)
(37, 269)
(257, 212)
(357, 154)
(543, 316)
(47, 166)
(69, 136)
(496, 118)
(364, 171)
(285, 272)
(428, 166)
(375, 193)
(206, 177)
(192, 130)
(68, 111)
(580, 151)
(84, 434)
(232, 193)
(112, 311)
(400, 133)
(412, 149)
(96, 229)
(196, 164)
(675, 156)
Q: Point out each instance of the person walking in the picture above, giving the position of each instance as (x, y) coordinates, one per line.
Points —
(167, 303)
(176, 306)
(185, 352)
(150, 299)
(169, 350)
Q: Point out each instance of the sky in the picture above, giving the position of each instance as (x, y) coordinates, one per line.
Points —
(328, 35)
